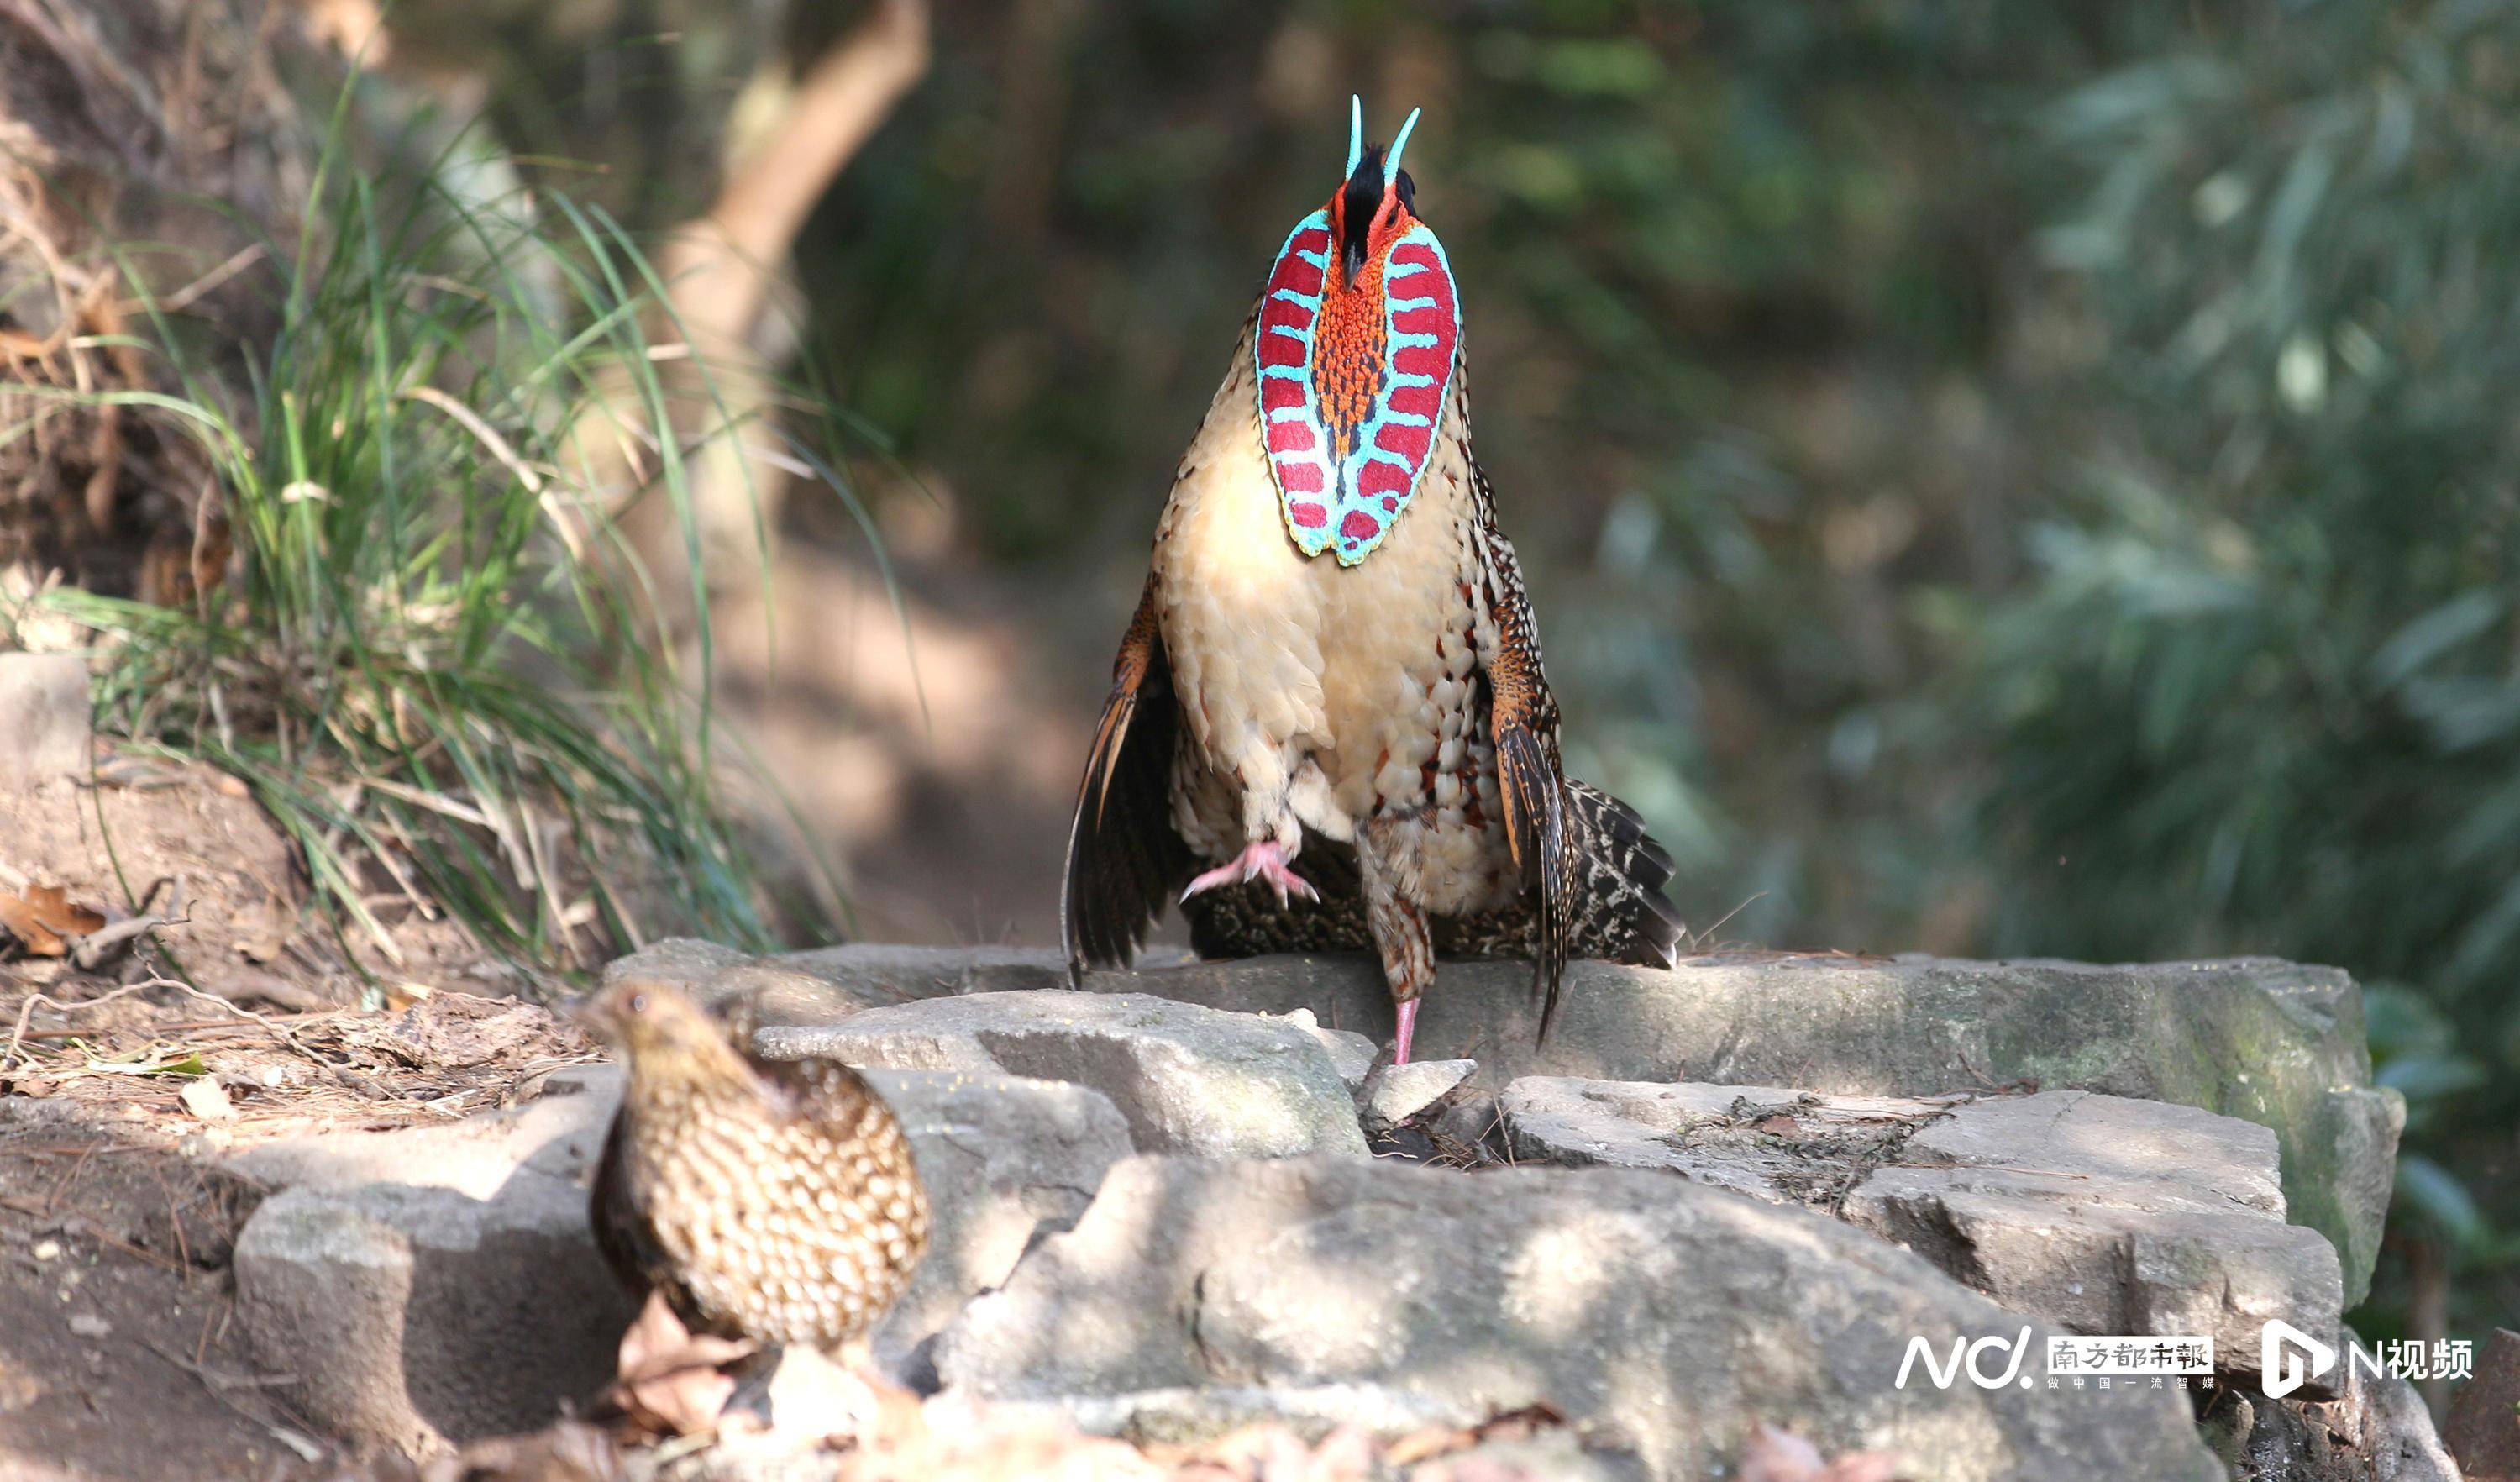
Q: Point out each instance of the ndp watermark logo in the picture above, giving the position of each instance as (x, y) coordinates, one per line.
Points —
(2289, 1358)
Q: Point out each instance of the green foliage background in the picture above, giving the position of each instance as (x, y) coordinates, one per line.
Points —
(1999, 476)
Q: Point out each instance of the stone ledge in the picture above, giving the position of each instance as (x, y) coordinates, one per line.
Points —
(2274, 1043)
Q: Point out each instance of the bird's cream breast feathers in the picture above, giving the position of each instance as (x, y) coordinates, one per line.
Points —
(1336, 682)
(1241, 613)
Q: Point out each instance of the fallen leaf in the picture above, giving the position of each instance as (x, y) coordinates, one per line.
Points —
(824, 1397)
(190, 1064)
(17, 921)
(54, 910)
(18, 345)
(672, 1381)
(205, 1099)
(1439, 1440)
(1782, 1126)
(43, 916)
(975, 1441)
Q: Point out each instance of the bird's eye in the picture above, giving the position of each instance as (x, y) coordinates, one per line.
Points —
(637, 1003)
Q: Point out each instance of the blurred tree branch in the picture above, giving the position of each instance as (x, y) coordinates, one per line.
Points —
(719, 269)
(719, 265)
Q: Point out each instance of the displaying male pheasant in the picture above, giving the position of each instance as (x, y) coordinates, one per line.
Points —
(1328, 723)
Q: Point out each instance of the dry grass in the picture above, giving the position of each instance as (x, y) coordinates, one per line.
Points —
(401, 613)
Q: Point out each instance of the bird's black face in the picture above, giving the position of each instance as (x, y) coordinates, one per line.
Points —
(1366, 216)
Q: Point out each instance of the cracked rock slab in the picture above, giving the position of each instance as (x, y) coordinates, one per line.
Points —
(1187, 1079)
(1784, 1146)
(435, 1284)
(2097, 1213)
(828, 983)
(556, 1136)
(1394, 1094)
(2279, 1043)
(1657, 1315)
(1003, 1159)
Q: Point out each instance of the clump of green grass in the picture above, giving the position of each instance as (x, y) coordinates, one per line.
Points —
(441, 668)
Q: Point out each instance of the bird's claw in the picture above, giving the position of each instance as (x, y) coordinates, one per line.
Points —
(1265, 860)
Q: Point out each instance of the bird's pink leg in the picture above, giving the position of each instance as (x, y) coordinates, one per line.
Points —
(1263, 859)
(1408, 1026)
(1398, 926)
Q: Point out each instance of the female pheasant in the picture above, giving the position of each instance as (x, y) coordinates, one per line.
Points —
(1315, 754)
(773, 1200)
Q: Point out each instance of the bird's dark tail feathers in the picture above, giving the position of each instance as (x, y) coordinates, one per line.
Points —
(1610, 880)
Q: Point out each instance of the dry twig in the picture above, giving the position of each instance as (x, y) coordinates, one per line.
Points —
(27, 1011)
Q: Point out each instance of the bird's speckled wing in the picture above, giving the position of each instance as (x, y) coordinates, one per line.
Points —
(824, 1092)
(626, 1240)
(1531, 781)
(1124, 859)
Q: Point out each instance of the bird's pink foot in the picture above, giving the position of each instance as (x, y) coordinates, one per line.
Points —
(1264, 860)
(1408, 1027)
